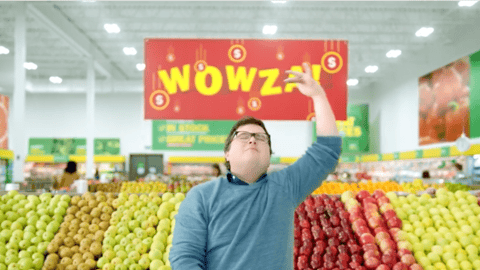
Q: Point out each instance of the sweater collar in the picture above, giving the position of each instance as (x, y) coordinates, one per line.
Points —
(235, 180)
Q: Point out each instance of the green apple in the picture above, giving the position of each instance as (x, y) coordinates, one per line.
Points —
(121, 254)
(433, 257)
(156, 264)
(453, 264)
(127, 262)
(144, 262)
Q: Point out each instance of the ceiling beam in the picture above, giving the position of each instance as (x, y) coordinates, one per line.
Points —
(81, 44)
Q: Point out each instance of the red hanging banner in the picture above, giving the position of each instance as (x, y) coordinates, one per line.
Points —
(222, 79)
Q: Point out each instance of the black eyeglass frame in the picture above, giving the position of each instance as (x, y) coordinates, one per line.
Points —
(252, 135)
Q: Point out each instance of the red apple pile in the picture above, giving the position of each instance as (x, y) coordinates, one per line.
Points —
(323, 236)
(377, 227)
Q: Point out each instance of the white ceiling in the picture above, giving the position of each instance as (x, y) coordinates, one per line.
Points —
(60, 35)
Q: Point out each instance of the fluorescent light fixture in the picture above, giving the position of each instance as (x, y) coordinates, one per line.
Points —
(55, 79)
(394, 53)
(30, 66)
(4, 50)
(269, 29)
(466, 3)
(112, 28)
(371, 69)
(352, 82)
(140, 67)
(424, 32)
(279, 2)
(129, 51)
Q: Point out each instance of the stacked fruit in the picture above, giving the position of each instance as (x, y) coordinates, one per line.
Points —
(452, 187)
(323, 235)
(417, 185)
(164, 237)
(28, 225)
(444, 232)
(110, 187)
(143, 187)
(78, 242)
(338, 188)
(381, 250)
(130, 235)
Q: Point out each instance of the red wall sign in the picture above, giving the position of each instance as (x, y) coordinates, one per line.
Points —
(221, 79)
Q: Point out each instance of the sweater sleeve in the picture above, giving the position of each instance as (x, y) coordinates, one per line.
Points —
(189, 243)
(308, 172)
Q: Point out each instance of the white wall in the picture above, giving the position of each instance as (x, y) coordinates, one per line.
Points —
(394, 109)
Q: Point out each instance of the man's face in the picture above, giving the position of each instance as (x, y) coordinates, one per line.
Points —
(249, 154)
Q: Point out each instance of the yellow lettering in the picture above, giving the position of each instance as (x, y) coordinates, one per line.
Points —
(350, 120)
(349, 132)
(171, 128)
(289, 86)
(175, 78)
(357, 131)
(217, 81)
(215, 139)
(267, 88)
(240, 77)
(316, 70)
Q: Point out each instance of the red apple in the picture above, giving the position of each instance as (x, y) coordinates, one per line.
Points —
(318, 202)
(305, 224)
(339, 205)
(344, 215)
(332, 250)
(306, 234)
(316, 261)
(362, 194)
(388, 259)
(383, 200)
(335, 220)
(378, 194)
(415, 267)
(321, 243)
(355, 216)
(318, 250)
(369, 200)
(355, 249)
(362, 230)
(357, 223)
(408, 259)
(310, 201)
(369, 247)
(297, 233)
(317, 233)
(367, 238)
(343, 236)
(389, 214)
(344, 257)
(330, 232)
(302, 262)
(334, 242)
(305, 250)
(357, 258)
(387, 244)
(354, 265)
(400, 266)
(403, 251)
(380, 229)
(375, 222)
(371, 254)
(394, 222)
(342, 249)
(382, 267)
(382, 236)
(329, 265)
(372, 263)
(394, 232)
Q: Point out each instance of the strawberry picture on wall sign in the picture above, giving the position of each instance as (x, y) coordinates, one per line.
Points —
(444, 103)
(4, 101)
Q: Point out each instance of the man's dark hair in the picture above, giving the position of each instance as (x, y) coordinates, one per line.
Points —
(71, 167)
(247, 120)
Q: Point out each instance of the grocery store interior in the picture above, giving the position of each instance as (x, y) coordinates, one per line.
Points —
(75, 85)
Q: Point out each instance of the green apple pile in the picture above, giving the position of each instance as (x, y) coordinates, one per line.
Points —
(78, 243)
(162, 242)
(28, 224)
(442, 232)
(128, 240)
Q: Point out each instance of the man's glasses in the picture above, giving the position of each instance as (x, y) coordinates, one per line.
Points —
(245, 136)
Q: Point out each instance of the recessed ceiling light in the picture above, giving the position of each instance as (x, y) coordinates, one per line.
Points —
(140, 67)
(269, 29)
(352, 82)
(30, 66)
(129, 51)
(394, 53)
(4, 50)
(371, 69)
(112, 28)
(424, 32)
(55, 79)
(466, 3)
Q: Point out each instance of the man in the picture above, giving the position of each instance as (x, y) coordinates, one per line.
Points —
(245, 220)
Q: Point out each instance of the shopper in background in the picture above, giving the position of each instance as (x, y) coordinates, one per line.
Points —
(216, 170)
(246, 219)
(69, 175)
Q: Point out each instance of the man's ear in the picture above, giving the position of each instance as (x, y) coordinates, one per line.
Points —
(226, 156)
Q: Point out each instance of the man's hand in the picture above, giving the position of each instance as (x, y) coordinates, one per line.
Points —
(305, 82)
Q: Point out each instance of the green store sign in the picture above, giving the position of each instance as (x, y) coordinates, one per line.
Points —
(194, 135)
(61, 148)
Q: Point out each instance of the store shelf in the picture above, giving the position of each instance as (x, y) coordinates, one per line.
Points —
(78, 159)
(6, 154)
